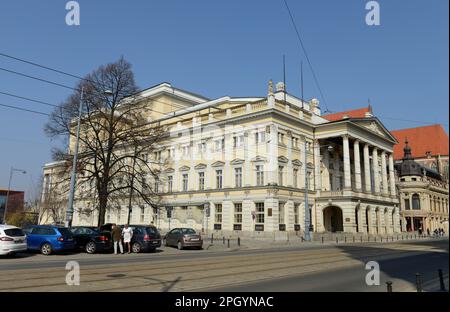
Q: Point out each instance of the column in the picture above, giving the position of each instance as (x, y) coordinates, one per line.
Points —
(367, 185)
(318, 175)
(391, 175)
(347, 177)
(384, 173)
(357, 165)
(376, 176)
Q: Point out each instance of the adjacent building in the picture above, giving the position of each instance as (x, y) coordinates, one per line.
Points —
(259, 166)
(15, 202)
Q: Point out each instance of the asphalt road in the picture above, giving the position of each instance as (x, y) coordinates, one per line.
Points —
(300, 268)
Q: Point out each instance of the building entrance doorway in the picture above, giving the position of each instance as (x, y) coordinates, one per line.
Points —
(332, 219)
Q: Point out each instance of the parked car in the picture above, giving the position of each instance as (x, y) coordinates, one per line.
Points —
(183, 237)
(91, 240)
(145, 238)
(49, 238)
(12, 240)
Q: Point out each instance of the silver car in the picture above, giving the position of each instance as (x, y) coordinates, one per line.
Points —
(12, 240)
(182, 238)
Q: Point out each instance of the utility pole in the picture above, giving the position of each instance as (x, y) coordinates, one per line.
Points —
(69, 212)
(132, 186)
(305, 164)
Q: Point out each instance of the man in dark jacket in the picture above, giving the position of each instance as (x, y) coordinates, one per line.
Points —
(116, 234)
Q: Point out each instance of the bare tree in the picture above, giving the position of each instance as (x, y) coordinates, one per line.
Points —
(116, 137)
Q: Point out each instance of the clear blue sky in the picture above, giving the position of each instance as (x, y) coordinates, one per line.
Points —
(231, 47)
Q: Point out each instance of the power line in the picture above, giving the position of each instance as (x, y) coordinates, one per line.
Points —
(28, 99)
(36, 78)
(42, 66)
(307, 57)
(24, 109)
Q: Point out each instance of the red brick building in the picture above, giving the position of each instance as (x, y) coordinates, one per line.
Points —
(16, 201)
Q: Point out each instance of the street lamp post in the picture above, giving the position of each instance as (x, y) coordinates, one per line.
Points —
(9, 189)
(69, 212)
(307, 220)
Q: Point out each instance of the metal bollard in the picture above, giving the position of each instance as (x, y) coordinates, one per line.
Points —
(389, 286)
(228, 243)
(381, 238)
(353, 238)
(418, 282)
(224, 240)
(441, 280)
(239, 241)
(345, 239)
(361, 239)
(212, 238)
(337, 240)
(322, 239)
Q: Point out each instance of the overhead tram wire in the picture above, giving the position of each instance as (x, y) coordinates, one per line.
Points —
(24, 109)
(307, 57)
(28, 99)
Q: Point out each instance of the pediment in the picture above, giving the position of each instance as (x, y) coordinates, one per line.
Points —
(185, 168)
(169, 170)
(282, 159)
(375, 126)
(218, 164)
(200, 166)
(259, 159)
(297, 162)
(237, 161)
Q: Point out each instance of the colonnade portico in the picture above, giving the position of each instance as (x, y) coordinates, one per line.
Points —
(367, 194)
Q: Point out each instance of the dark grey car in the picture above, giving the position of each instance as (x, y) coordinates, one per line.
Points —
(183, 237)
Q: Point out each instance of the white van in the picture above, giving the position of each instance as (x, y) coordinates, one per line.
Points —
(12, 240)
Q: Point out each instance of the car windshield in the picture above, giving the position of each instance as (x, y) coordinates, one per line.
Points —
(151, 230)
(188, 231)
(65, 232)
(14, 232)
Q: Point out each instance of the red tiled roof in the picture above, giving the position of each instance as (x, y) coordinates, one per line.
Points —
(432, 139)
(356, 113)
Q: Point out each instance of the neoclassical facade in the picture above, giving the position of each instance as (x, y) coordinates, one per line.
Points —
(424, 196)
(247, 166)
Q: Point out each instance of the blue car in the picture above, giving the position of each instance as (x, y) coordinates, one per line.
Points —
(49, 238)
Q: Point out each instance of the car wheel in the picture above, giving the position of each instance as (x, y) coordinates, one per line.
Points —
(180, 246)
(90, 248)
(46, 249)
(136, 248)
(166, 243)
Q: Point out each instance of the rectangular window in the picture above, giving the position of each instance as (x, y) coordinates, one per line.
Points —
(280, 175)
(238, 177)
(202, 147)
(259, 175)
(156, 188)
(185, 182)
(260, 137)
(186, 150)
(170, 184)
(407, 207)
(142, 214)
(295, 177)
(201, 181)
(296, 214)
(219, 179)
(218, 214)
(238, 141)
(280, 138)
(259, 213)
(220, 145)
(281, 213)
(237, 213)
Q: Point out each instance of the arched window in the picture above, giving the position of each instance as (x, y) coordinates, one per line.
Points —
(416, 202)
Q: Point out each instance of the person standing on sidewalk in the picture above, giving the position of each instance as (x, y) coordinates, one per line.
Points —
(127, 235)
(116, 234)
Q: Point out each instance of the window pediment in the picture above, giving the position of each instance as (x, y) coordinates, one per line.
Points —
(185, 168)
(200, 166)
(218, 164)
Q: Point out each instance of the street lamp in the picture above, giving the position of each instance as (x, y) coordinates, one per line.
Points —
(307, 230)
(9, 189)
